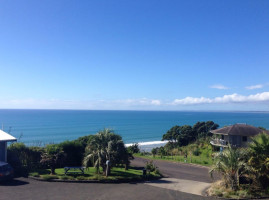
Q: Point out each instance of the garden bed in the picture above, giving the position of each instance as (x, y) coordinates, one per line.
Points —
(117, 175)
(219, 190)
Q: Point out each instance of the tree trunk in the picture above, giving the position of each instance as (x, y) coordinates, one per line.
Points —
(52, 169)
(104, 169)
(107, 168)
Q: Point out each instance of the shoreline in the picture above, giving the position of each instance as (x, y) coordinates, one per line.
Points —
(148, 146)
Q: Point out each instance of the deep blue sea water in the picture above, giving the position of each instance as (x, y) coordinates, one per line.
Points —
(54, 126)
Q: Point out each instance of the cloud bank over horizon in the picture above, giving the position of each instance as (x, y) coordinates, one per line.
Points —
(138, 104)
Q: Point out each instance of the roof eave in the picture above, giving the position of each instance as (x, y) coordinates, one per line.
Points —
(219, 133)
(9, 140)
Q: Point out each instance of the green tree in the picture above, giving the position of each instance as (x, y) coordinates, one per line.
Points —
(179, 136)
(231, 165)
(172, 135)
(106, 145)
(202, 129)
(259, 159)
(186, 135)
(84, 140)
(133, 148)
(118, 153)
(161, 151)
(154, 151)
(53, 156)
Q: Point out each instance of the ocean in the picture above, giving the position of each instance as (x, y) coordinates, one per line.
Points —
(40, 127)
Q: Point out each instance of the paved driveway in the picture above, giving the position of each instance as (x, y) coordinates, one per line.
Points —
(28, 189)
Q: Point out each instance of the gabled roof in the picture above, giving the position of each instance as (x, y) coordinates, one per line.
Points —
(6, 137)
(239, 129)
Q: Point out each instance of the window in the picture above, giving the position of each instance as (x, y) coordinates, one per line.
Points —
(244, 138)
(222, 137)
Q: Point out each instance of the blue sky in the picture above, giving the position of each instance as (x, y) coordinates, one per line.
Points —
(135, 55)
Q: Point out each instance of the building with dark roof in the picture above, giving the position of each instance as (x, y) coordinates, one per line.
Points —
(238, 135)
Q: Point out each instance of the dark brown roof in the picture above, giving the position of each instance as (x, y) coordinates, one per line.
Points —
(239, 129)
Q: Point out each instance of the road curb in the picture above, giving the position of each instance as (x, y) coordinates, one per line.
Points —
(92, 181)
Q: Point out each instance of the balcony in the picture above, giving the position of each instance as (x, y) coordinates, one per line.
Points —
(219, 142)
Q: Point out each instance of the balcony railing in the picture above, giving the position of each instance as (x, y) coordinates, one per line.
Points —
(219, 142)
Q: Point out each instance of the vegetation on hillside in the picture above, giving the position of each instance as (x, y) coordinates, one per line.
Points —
(199, 152)
(187, 143)
(179, 136)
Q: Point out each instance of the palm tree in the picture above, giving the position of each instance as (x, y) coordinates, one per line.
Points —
(231, 165)
(96, 151)
(105, 145)
(259, 159)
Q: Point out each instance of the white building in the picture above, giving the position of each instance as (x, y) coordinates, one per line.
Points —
(4, 138)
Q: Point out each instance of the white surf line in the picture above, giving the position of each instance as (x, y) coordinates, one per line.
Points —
(147, 143)
(181, 185)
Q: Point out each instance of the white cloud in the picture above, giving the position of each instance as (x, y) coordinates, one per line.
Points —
(191, 100)
(219, 87)
(141, 102)
(253, 87)
(232, 98)
(156, 102)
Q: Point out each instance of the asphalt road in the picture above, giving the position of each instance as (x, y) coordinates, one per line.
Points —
(23, 188)
(178, 170)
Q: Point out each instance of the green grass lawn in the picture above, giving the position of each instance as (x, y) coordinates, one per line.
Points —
(204, 158)
(200, 160)
(117, 173)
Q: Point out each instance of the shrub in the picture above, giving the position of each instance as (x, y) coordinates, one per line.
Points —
(74, 152)
(157, 172)
(23, 159)
(150, 167)
(80, 178)
(243, 194)
(34, 174)
(48, 177)
(218, 193)
(205, 162)
(64, 177)
(196, 152)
